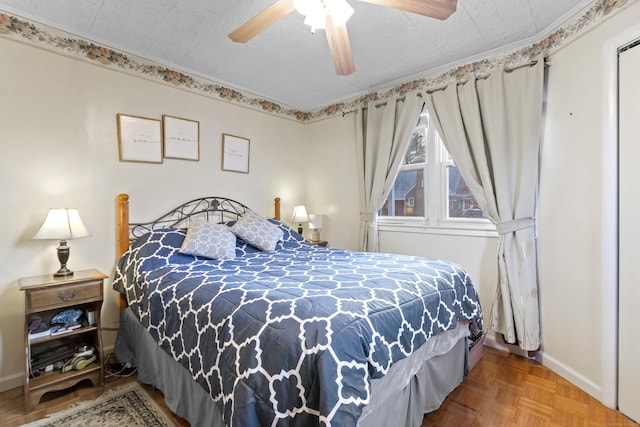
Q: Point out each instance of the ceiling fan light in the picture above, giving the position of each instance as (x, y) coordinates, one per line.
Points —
(309, 7)
(315, 11)
(315, 21)
(339, 10)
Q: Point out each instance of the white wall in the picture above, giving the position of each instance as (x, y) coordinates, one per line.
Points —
(60, 149)
(572, 218)
(332, 183)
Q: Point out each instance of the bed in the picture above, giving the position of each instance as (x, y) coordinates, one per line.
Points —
(286, 333)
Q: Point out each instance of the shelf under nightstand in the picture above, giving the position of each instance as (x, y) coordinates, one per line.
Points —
(44, 297)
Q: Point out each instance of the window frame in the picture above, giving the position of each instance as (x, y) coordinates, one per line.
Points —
(436, 189)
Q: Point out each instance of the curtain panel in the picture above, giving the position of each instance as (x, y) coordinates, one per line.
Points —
(383, 132)
(492, 128)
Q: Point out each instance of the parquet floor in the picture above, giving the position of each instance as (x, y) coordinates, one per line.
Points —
(508, 390)
(502, 390)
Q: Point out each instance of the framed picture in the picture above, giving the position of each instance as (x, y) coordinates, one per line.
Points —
(235, 153)
(139, 139)
(181, 138)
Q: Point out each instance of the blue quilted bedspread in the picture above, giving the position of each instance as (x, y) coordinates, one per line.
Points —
(291, 337)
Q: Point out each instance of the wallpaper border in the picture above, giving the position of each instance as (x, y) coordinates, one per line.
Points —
(20, 29)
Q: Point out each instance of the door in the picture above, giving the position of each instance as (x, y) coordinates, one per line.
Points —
(629, 232)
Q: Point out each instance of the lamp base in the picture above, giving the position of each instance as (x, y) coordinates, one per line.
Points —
(63, 272)
(63, 257)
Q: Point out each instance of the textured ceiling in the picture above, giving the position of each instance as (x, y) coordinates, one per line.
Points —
(287, 63)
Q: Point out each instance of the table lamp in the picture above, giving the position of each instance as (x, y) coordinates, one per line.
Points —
(300, 215)
(62, 224)
(315, 223)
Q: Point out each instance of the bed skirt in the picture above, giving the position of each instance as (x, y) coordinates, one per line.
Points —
(413, 387)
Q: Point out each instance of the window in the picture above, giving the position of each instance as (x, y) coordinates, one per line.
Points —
(407, 194)
(429, 188)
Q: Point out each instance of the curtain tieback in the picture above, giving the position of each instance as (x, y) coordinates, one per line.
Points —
(514, 225)
(367, 217)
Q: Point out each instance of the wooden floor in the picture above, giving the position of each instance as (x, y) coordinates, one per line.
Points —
(502, 390)
(508, 390)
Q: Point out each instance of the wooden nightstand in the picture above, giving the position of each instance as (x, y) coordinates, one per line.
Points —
(322, 243)
(45, 296)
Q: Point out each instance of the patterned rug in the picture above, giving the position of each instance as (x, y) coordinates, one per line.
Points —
(128, 406)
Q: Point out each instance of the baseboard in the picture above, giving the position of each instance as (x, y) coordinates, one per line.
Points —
(573, 377)
(552, 363)
(11, 381)
(16, 380)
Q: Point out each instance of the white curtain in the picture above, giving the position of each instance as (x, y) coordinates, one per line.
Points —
(492, 128)
(383, 131)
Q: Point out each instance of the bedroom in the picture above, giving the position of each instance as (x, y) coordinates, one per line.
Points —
(59, 136)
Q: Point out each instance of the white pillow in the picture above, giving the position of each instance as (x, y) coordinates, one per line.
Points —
(257, 231)
(209, 240)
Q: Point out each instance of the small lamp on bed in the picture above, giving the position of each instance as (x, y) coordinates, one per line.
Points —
(315, 223)
(300, 215)
(62, 224)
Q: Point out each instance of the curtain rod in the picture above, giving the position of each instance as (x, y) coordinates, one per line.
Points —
(401, 99)
(397, 100)
(517, 67)
(507, 70)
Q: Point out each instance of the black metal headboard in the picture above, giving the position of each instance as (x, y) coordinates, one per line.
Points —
(218, 209)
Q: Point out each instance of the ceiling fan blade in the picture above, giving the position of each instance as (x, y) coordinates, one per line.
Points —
(439, 9)
(340, 47)
(261, 21)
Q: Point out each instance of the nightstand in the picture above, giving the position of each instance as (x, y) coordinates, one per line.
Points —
(322, 243)
(45, 352)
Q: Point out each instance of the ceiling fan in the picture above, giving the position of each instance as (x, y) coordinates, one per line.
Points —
(332, 16)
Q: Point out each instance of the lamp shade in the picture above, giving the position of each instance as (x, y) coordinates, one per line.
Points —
(300, 214)
(315, 221)
(62, 224)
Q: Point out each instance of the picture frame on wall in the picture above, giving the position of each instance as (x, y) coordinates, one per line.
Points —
(235, 153)
(139, 139)
(181, 138)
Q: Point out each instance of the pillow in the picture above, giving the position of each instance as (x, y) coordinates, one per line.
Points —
(209, 240)
(257, 231)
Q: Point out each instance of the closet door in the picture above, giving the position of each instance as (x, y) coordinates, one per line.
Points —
(629, 233)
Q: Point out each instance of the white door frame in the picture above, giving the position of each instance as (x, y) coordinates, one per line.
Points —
(609, 392)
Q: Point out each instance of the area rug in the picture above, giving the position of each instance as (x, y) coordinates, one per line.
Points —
(129, 405)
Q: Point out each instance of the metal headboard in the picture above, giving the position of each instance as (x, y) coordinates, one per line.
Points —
(212, 209)
(219, 209)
